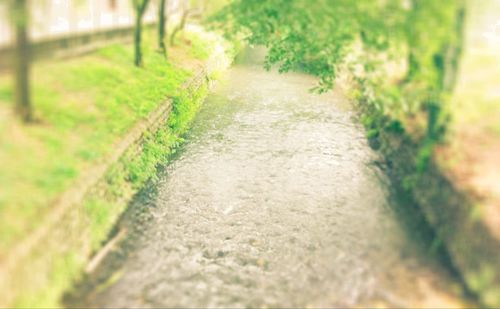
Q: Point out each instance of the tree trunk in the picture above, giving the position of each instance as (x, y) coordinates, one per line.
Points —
(446, 65)
(179, 27)
(137, 40)
(447, 61)
(455, 51)
(140, 10)
(162, 24)
(413, 38)
(22, 60)
(413, 66)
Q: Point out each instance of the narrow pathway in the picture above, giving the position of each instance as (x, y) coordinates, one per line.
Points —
(274, 201)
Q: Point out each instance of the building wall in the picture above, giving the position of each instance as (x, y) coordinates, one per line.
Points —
(484, 24)
(5, 35)
(52, 18)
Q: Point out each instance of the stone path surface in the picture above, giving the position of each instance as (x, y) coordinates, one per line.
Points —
(275, 201)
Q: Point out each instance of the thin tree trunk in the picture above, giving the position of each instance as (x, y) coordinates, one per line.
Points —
(137, 40)
(22, 60)
(447, 61)
(179, 27)
(413, 65)
(456, 50)
(446, 64)
(140, 10)
(412, 60)
(162, 27)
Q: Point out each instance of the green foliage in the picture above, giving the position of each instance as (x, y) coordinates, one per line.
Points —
(140, 5)
(65, 266)
(327, 37)
(134, 170)
(84, 106)
(199, 48)
(184, 109)
(316, 36)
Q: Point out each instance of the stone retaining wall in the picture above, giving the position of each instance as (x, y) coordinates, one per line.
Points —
(37, 270)
(472, 247)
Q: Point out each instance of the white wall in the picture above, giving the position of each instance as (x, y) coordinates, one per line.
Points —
(51, 18)
(5, 35)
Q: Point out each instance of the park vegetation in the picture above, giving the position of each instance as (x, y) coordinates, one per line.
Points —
(361, 39)
(401, 61)
(71, 117)
(19, 11)
(84, 107)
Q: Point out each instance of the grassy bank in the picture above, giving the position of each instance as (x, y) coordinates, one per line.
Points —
(455, 182)
(83, 108)
(103, 206)
(471, 158)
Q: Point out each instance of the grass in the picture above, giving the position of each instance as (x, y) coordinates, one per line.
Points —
(469, 158)
(477, 100)
(103, 209)
(82, 106)
(135, 170)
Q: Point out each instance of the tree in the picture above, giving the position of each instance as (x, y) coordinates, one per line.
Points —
(435, 32)
(456, 48)
(140, 7)
(20, 20)
(162, 26)
(315, 36)
(321, 37)
(182, 23)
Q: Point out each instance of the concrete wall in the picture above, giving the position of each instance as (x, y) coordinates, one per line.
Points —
(483, 29)
(55, 18)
